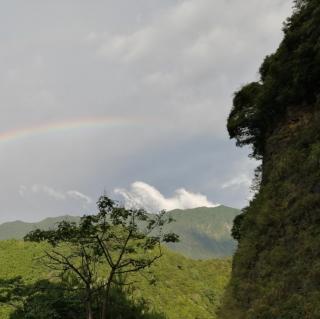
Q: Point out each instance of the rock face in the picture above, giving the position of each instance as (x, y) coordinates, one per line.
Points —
(276, 269)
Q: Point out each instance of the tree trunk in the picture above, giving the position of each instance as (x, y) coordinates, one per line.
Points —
(106, 297)
(89, 310)
(89, 303)
(104, 308)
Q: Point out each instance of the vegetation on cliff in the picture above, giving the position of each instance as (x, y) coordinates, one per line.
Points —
(276, 269)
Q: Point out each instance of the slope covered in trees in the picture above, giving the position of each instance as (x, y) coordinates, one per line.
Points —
(204, 232)
(181, 287)
(276, 269)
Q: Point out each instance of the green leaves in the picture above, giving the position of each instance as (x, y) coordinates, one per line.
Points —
(171, 238)
(242, 122)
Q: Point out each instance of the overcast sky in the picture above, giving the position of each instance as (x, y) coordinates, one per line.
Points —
(127, 97)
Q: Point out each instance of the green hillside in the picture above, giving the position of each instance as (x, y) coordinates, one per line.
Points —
(204, 232)
(183, 288)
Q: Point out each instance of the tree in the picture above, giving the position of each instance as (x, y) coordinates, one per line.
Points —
(244, 118)
(299, 4)
(95, 253)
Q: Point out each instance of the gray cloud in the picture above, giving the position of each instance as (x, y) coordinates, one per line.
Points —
(172, 64)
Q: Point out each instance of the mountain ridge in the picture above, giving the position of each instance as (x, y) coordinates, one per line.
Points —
(204, 231)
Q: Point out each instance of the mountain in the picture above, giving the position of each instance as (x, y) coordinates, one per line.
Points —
(18, 229)
(204, 232)
(182, 288)
(276, 269)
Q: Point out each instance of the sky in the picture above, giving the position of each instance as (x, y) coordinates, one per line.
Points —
(126, 98)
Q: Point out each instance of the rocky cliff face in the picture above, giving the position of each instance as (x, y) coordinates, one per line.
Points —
(276, 269)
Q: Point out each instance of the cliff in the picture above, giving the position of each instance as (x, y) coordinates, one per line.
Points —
(276, 269)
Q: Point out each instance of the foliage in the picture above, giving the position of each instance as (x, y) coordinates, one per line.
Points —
(236, 229)
(56, 300)
(175, 286)
(289, 77)
(40, 300)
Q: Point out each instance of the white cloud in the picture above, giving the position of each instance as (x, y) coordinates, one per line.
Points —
(144, 195)
(22, 190)
(55, 194)
(48, 191)
(238, 181)
(78, 195)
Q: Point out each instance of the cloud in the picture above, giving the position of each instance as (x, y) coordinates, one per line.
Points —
(55, 194)
(191, 30)
(22, 190)
(77, 195)
(146, 196)
(176, 63)
(195, 53)
(48, 191)
(238, 181)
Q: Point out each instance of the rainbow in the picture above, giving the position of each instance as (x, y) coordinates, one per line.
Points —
(53, 127)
